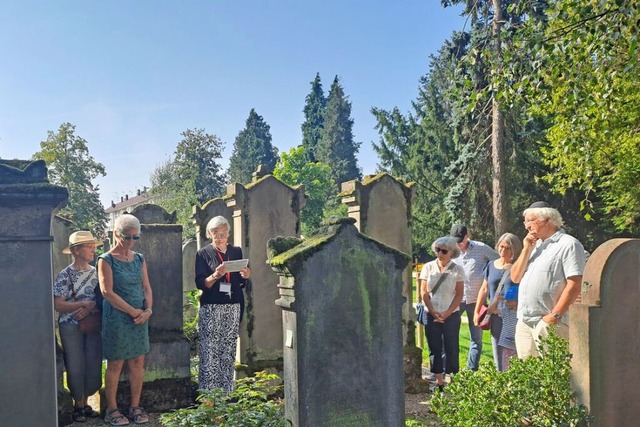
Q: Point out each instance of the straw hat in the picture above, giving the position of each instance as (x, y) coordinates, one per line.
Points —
(80, 238)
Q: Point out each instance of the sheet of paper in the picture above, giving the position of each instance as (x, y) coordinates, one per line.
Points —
(236, 265)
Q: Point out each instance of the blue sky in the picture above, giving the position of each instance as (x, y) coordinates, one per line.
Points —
(133, 75)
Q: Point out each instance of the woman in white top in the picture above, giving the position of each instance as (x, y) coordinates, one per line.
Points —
(441, 289)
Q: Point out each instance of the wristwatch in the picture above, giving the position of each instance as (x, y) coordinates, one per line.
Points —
(556, 315)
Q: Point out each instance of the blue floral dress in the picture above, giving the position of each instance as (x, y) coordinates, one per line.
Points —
(121, 338)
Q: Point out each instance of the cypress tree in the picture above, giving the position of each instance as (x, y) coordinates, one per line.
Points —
(315, 104)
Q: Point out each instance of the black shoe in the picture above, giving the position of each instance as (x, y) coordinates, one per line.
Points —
(78, 415)
(89, 412)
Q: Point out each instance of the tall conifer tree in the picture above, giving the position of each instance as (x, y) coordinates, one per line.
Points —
(315, 104)
(251, 148)
(337, 147)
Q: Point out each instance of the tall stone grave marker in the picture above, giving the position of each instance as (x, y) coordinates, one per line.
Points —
(341, 300)
(381, 206)
(604, 335)
(261, 210)
(27, 341)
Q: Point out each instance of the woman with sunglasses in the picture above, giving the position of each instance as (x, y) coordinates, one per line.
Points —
(127, 307)
(441, 289)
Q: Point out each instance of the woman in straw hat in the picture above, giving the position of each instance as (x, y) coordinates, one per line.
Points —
(74, 298)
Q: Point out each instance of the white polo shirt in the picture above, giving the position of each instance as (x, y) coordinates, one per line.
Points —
(550, 263)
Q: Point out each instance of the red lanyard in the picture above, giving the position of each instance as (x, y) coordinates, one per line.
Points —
(222, 260)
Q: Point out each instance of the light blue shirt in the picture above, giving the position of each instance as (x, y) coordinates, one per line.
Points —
(473, 262)
(550, 264)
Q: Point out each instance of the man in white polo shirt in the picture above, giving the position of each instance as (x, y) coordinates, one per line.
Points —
(549, 270)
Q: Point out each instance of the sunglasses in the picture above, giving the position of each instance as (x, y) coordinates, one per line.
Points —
(130, 236)
(443, 251)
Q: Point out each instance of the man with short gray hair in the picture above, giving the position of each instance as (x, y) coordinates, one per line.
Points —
(549, 270)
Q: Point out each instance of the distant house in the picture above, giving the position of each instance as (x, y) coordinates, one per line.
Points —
(125, 205)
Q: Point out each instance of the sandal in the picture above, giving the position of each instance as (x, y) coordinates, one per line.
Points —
(89, 412)
(78, 415)
(138, 415)
(115, 418)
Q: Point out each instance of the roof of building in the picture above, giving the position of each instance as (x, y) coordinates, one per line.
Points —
(126, 202)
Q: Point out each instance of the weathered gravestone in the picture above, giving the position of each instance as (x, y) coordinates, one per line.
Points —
(341, 300)
(604, 335)
(167, 383)
(27, 341)
(261, 210)
(381, 206)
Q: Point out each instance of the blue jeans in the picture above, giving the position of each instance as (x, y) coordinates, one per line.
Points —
(496, 330)
(475, 344)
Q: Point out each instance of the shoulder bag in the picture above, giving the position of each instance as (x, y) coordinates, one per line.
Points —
(92, 322)
(484, 317)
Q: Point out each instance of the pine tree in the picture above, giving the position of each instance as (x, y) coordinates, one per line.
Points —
(315, 104)
(251, 148)
(337, 147)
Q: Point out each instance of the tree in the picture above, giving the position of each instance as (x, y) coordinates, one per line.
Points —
(314, 108)
(192, 177)
(196, 160)
(70, 165)
(293, 168)
(577, 66)
(252, 148)
(337, 147)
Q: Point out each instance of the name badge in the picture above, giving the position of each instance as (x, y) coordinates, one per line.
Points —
(225, 287)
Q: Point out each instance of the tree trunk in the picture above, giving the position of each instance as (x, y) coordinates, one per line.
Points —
(500, 223)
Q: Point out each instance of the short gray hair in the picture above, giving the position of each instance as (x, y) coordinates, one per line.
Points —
(514, 243)
(550, 214)
(447, 242)
(216, 222)
(126, 221)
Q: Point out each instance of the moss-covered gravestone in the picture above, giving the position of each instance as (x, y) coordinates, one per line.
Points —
(341, 300)
(27, 342)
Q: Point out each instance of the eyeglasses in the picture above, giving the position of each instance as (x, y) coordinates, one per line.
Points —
(530, 221)
(130, 236)
(220, 235)
(442, 251)
(504, 248)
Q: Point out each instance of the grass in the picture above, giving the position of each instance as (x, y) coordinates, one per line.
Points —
(487, 354)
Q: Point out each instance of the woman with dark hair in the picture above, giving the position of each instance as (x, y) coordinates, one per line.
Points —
(442, 289)
(221, 307)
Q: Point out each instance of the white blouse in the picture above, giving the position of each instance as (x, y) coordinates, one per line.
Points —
(447, 290)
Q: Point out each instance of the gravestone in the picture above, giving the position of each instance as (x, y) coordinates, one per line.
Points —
(604, 338)
(167, 383)
(341, 300)
(261, 210)
(381, 206)
(27, 341)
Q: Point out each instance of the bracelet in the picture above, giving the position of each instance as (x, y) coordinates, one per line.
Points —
(148, 310)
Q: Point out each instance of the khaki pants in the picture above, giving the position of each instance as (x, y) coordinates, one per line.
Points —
(528, 338)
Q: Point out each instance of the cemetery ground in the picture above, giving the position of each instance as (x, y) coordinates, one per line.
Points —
(417, 407)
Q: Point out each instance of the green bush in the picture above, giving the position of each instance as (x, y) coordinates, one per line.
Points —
(249, 405)
(535, 391)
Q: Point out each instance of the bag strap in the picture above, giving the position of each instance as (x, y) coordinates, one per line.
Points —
(444, 274)
(74, 292)
(500, 285)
